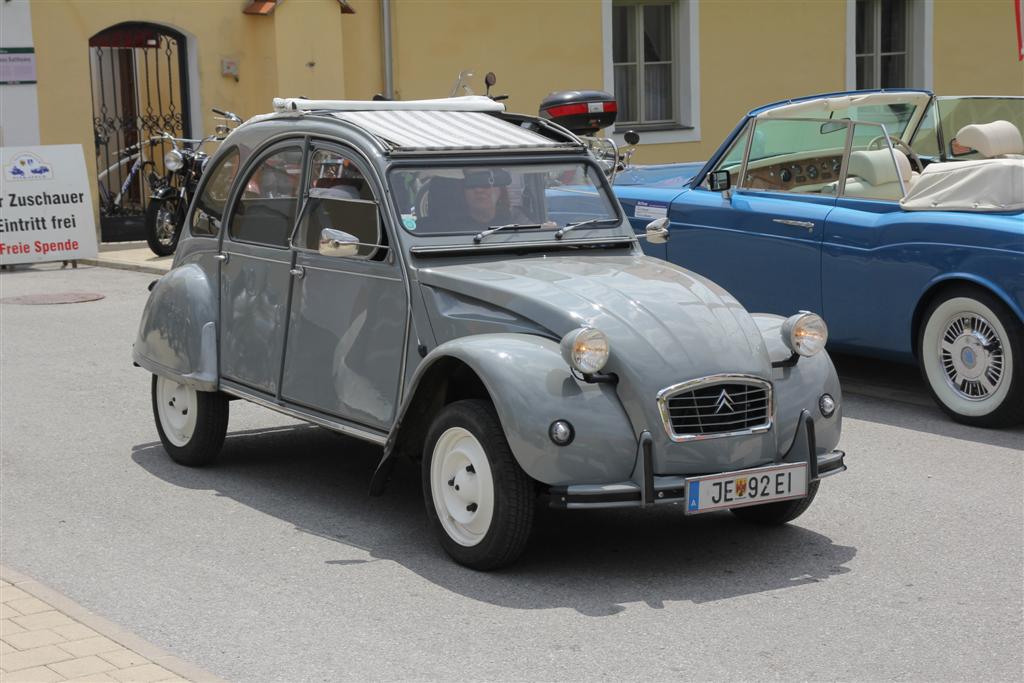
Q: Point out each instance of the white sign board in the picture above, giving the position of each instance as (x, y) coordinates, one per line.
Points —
(45, 205)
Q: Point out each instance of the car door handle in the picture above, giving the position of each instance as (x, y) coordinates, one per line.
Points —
(298, 272)
(221, 257)
(799, 224)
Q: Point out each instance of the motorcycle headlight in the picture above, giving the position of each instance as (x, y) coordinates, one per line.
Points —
(173, 161)
(585, 349)
(805, 333)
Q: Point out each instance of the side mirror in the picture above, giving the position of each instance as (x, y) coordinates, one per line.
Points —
(631, 137)
(720, 181)
(656, 231)
(338, 243)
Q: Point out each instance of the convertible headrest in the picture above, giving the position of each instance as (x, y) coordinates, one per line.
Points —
(992, 139)
(875, 166)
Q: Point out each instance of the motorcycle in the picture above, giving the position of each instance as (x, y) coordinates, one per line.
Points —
(165, 215)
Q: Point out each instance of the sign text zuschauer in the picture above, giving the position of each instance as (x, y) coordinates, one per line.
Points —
(45, 205)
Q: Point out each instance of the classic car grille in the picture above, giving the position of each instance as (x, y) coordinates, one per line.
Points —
(716, 407)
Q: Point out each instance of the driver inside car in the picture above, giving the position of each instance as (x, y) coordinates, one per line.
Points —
(486, 197)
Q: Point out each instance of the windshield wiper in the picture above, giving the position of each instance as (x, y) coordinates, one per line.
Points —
(511, 226)
(573, 226)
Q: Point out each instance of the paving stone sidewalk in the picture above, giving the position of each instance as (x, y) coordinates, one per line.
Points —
(44, 636)
(130, 256)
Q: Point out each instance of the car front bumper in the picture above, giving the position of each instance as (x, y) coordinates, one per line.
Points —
(651, 489)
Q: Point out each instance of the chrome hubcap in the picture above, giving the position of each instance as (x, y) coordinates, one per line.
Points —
(972, 356)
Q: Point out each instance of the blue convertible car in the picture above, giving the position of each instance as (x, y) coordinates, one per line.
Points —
(897, 215)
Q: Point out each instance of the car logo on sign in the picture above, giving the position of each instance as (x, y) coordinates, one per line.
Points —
(724, 403)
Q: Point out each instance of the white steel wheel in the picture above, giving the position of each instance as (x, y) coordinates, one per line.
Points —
(479, 501)
(462, 486)
(969, 353)
(191, 423)
(177, 408)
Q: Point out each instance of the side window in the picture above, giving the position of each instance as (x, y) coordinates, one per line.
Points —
(793, 155)
(210, 206)
(733, 159)
(340, 198)
(265, 213)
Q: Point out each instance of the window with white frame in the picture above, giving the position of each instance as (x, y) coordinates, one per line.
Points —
(883, 40)
(645, 58)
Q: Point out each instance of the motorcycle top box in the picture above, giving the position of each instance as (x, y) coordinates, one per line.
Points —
(583, 112)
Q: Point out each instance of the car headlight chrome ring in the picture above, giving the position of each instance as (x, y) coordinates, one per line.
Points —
(805, 333)
(585, 349)
(173, 161)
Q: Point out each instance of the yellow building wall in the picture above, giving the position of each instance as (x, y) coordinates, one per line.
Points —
(362, 55)
(533, 46)
(976, 48)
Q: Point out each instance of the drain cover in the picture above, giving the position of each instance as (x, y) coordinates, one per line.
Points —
(58, 298)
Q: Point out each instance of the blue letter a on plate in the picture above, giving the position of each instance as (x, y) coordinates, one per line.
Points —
(693, 502)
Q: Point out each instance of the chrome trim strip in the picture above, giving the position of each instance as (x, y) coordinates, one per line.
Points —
(797, 224)
(725, 378)
(333, 425)
(349, 272)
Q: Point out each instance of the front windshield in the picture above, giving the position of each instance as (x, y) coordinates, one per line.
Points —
(956, 112)
(895, 116)
(453, 200)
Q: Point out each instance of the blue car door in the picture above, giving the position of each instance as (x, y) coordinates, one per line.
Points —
(764, 248)
(762, 241)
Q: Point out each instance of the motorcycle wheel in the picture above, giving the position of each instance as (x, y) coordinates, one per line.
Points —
(163, 224)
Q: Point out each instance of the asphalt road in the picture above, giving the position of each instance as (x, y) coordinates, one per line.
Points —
(276, 566)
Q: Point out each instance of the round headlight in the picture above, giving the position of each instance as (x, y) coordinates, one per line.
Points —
(805, 333)
(173, 160)
(585, 349)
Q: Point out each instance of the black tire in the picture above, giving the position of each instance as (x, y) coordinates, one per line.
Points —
(163, 241)
(1002, 406)
(509, 529)
(204, 443)
(773, 514)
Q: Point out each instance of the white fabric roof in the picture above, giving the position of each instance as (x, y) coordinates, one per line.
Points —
(983, 185)
(464, 103)
(424, 130)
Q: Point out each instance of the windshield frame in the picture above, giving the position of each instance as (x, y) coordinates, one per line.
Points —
(490, 161)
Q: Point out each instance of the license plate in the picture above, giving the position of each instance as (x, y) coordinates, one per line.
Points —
(746, 487)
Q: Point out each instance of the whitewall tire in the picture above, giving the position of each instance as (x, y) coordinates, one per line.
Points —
(970, 348)
(191, 423)
(479, 501)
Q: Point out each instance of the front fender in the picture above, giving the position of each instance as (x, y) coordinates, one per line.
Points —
(798, 388)
(178, 332)
(531, 386)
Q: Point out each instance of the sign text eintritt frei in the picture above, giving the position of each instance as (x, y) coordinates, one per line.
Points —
(45, 206)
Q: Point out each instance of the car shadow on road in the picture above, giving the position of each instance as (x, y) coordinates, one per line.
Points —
(594, 562)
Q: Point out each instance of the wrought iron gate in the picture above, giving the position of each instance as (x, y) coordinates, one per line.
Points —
(139, 90)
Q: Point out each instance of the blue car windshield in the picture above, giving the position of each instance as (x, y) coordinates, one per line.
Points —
(453, 200)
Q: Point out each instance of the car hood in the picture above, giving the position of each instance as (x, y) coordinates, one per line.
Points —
(664, 324)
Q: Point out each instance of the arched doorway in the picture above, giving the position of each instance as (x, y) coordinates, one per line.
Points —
(139, 90)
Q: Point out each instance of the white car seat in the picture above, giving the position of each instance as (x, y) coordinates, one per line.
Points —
(872, 175)
(995, 139)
